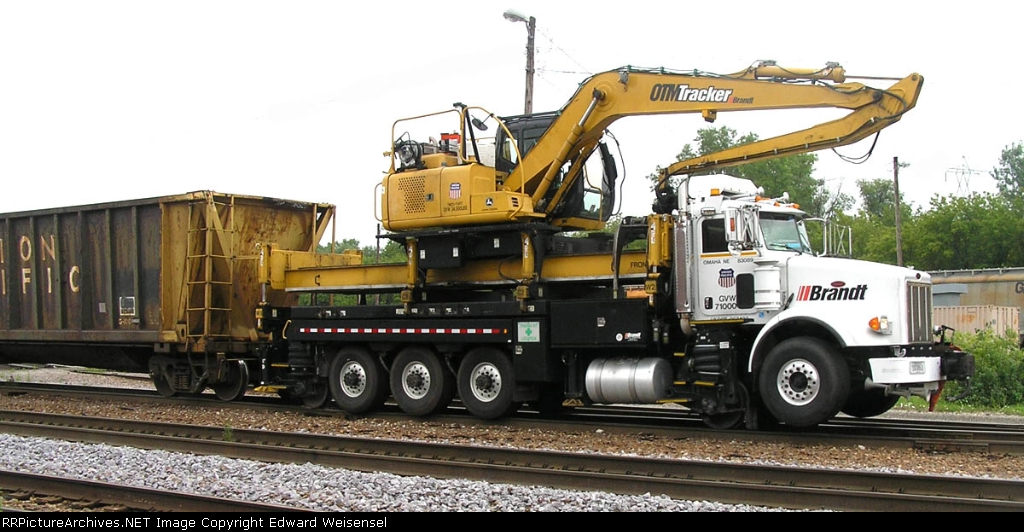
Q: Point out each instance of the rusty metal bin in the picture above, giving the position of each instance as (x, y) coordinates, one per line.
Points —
(107, 285)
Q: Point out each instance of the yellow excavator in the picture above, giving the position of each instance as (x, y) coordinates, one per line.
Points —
(538, 160)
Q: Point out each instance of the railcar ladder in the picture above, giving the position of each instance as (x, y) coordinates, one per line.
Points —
(210, 271)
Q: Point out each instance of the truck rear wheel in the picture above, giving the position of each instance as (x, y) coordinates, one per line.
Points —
(487, 383)
(420, 383)
(804, 382)
(357, 381)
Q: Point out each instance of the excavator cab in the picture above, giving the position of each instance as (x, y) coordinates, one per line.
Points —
(589, 197)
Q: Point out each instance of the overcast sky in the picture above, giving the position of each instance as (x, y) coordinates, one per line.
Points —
(109, 101)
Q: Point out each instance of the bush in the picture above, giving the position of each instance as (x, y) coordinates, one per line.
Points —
(998, 373)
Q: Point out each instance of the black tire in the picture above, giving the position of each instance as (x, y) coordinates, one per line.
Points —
(233, 386)
(487, 383)
(869, 403)
(420, 383)
(358, 381)
(804, 382)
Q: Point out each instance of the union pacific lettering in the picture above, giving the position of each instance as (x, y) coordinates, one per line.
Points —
(669, 92)
(832, 293)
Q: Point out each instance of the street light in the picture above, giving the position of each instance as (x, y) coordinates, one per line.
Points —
(531, 26)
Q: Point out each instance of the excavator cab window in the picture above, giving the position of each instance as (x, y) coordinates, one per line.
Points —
(593, 194)
(526, 131)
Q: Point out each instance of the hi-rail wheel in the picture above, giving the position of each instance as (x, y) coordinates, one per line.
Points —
(730, 420)
(357, 380)
(235, 382)
(420, 383)
(319, 396)
(486, 383)
(869, 403)
(804, 382)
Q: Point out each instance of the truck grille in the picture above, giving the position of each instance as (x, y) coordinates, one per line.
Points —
(919, 312)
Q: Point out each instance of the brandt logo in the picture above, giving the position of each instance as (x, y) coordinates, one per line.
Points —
(838, 291)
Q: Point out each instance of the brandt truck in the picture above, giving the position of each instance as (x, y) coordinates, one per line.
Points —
(516, 290)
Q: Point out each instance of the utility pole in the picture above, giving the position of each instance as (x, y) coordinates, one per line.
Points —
(896, 187)
(531, 29)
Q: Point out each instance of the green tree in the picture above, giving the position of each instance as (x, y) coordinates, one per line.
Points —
(384, 252)
(957, 233)
(1009, 174)
(874, 224)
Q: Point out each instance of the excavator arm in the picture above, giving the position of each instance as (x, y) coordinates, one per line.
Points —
(628, 91)
(858, 125)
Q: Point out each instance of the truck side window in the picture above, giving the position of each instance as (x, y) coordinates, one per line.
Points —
(713, 236)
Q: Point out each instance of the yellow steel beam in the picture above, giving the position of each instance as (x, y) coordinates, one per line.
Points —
(300, 272)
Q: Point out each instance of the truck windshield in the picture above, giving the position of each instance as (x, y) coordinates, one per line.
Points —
(784, 232)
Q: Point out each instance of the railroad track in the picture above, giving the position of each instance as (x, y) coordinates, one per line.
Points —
(49, 491)
(924, 435)
(783, 487)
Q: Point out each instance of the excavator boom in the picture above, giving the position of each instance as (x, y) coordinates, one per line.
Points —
(628, 91)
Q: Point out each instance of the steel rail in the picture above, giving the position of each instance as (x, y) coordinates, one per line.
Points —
(132, 497)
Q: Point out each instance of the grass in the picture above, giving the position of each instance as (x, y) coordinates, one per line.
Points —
(916, 404)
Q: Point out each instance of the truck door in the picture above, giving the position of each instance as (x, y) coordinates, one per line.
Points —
(725, 280)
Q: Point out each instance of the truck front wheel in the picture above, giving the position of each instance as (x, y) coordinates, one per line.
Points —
(804, 382)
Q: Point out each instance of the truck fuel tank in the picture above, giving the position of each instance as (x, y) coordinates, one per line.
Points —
(628, 380)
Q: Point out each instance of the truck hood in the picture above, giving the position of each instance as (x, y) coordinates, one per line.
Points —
(848, 293)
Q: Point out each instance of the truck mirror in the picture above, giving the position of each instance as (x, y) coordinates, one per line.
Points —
(734, 226)
(739, 229)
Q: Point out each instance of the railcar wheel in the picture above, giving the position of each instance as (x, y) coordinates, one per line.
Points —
(420, 383)
(162, 386)
(234, 385)
(357, 381)
(869, 403)
(804, 382)
(318, 398)
(486, 383)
